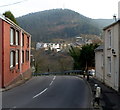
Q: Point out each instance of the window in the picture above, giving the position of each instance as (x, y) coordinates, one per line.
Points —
(27, 55)
(12, 59)
(17, 57)
(12, 36)
(27, 42)
(17, 37)
(109, 38)
(102, 65)
(109, 65)
(22, 39)
(22, 56)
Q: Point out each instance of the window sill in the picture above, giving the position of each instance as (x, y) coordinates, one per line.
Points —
(14, 45)
(12, 68)
(109, 48)
(114, 55)
(109, 74)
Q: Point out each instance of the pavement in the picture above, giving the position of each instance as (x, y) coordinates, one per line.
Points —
(109, 100)
(18, 83)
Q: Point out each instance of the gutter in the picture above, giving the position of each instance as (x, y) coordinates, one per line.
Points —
(12, 23)
(111, 24)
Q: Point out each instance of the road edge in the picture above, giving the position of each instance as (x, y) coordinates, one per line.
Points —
(90, 89)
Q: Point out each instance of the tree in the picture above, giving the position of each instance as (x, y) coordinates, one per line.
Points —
(84, 57)
(75, 54)
(55, 62)
(9, 15)
(87, 56)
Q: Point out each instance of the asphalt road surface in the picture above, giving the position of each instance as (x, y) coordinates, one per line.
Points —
(49, 92)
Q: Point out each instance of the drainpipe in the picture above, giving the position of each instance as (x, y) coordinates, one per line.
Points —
(20, 53)
(104, 56)
(29, 50)
(119, 44)
(119, 57)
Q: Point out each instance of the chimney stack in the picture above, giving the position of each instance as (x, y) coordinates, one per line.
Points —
(114, 17)
(118, 10)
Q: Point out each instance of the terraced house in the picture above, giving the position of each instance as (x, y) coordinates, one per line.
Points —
(112, 55)
(14, 52)
(108, 57)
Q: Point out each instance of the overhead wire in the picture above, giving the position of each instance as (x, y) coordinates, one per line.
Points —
(13, 3)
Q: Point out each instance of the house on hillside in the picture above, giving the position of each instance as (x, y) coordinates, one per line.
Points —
(39, 45)
(110, 74)
(14, 52)
(52, 46)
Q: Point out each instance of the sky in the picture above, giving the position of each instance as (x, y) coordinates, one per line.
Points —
(95, 9)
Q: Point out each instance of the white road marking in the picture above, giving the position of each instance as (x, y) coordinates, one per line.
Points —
(54, 77)
(40, 93)
(45, 89)
(51, 83)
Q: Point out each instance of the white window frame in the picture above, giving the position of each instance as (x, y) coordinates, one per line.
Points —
(17, 38)
(12, 36)
(12, 59)
(109, 38)
(17, 57)
(109, 65)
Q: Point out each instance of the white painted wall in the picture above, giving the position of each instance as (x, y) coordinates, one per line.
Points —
(99, 65)
(113, 78)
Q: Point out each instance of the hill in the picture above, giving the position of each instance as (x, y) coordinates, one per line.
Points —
(103, 22)
(57, 23)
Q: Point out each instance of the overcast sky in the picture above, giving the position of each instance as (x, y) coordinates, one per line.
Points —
(90, 8)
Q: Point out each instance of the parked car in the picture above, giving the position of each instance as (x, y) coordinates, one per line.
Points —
(91, 72)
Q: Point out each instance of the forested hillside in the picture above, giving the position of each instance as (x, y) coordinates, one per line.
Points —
(57, 23)
(103, 22)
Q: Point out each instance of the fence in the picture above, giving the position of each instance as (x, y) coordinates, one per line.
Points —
(70, 72)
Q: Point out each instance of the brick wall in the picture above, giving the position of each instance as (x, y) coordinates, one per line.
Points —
(11, 75)
(0, 53)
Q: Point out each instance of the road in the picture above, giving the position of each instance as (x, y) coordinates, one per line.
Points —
(49, 92)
